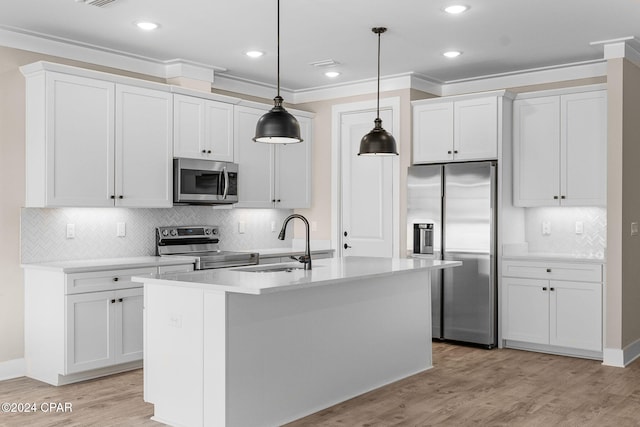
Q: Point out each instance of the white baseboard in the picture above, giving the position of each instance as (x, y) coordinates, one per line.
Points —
(12, 369)
(621, 357)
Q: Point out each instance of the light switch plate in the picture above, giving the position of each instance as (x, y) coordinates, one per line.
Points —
(241, 227)
(121, 229)
(579, 227)
(546, 228)
(71, 231)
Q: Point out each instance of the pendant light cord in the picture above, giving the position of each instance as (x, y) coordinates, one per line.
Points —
(278, 26)
(378, 103)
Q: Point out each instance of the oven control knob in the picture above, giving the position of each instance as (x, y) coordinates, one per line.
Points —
(174, 232)
(165, 233)
(207, 231)
(215, 231)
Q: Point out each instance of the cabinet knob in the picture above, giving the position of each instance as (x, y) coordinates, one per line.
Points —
(120, 299)
(544, 288)
(278, 200)
(346, 246)
(273, 200)
(121, 197)
(562, 197)
(548, 270)
(208, 151)
(113, 196)
(204, 151)
(555, 197)
(113, 301)
(115, 279)
(455, 151)
(449, 152)
(552, 289)
(346, 234)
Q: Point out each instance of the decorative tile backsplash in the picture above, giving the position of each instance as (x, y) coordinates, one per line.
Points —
(563, 238)
(43, 231)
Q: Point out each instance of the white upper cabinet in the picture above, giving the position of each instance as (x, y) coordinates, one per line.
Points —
(93, 142)
(560, 149)
(203, 129)
(271, 175)
(453, 129)
(143, 169)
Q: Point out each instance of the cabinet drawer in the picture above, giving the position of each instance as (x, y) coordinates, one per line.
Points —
(175, 268)
(553, 271)
(94, 281)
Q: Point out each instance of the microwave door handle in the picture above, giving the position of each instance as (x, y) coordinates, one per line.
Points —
(226, 182)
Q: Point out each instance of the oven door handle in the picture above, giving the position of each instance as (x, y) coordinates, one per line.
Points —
(226, 182)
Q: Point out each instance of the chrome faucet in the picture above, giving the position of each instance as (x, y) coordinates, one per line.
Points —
(306, 258)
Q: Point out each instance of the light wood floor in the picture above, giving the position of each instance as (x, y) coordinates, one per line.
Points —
(467, 387)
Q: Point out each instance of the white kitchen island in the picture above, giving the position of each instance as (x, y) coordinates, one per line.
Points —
(236, 347)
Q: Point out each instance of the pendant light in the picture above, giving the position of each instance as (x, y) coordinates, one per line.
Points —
(278, 126)
(378, 142)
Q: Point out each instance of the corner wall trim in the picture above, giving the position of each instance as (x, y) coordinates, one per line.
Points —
(12, 369)
(621, 357)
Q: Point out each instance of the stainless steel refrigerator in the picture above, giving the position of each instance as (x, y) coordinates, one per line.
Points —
(460, 200)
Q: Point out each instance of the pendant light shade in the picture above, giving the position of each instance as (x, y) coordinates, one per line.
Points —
(378, 142)
(278, 126)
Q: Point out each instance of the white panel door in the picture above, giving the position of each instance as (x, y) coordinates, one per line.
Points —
(536, 152)
(90, 335)
(476, 129)
(128, 325)
(255, 161)
(432, 133)
(144, 147)
(218, 131)
(80, 139)
(367, 190)
(583, 157)
(525, 310)
(293, 170)
(576, 315)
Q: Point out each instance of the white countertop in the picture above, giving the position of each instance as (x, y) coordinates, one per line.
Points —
(280, 252)
(101, 264)
(325, 272)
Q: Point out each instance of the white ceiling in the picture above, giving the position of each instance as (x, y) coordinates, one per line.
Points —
(495, 36)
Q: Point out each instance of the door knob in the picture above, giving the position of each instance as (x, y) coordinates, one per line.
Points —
(346, 246)
(345, 234)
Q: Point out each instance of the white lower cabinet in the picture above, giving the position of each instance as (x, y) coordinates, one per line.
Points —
(545, 311)
(86, 324)
(103, 329)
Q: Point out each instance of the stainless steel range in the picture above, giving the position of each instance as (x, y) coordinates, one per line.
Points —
(201, 242)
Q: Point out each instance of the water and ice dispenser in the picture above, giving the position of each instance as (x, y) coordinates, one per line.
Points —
(423, 238)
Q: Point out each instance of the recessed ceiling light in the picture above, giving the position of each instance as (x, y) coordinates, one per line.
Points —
(452, 54)
(254, 54)
(147, 25)
(456, 8)
(332, 74)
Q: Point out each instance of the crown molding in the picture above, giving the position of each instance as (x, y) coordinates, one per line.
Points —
(628, 47)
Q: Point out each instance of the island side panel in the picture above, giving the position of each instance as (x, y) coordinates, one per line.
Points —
(295, 352)
(173, 354)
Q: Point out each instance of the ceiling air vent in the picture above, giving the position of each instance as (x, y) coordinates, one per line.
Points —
(99, 3)
(324, 63)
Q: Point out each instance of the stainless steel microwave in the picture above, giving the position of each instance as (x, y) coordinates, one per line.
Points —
(204, 182)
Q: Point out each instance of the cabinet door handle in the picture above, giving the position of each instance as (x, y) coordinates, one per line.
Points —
(544, 288)
(548, 270)
(113, 301)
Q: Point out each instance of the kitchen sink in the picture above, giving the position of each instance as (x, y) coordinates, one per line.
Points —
(271, 268)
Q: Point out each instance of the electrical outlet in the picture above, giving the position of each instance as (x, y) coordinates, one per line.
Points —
(241, 227)
(71, 231)
(634, 228)
(273, 226)
(121, 229)
(314, 225)
(546, 228)
(579, 227)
